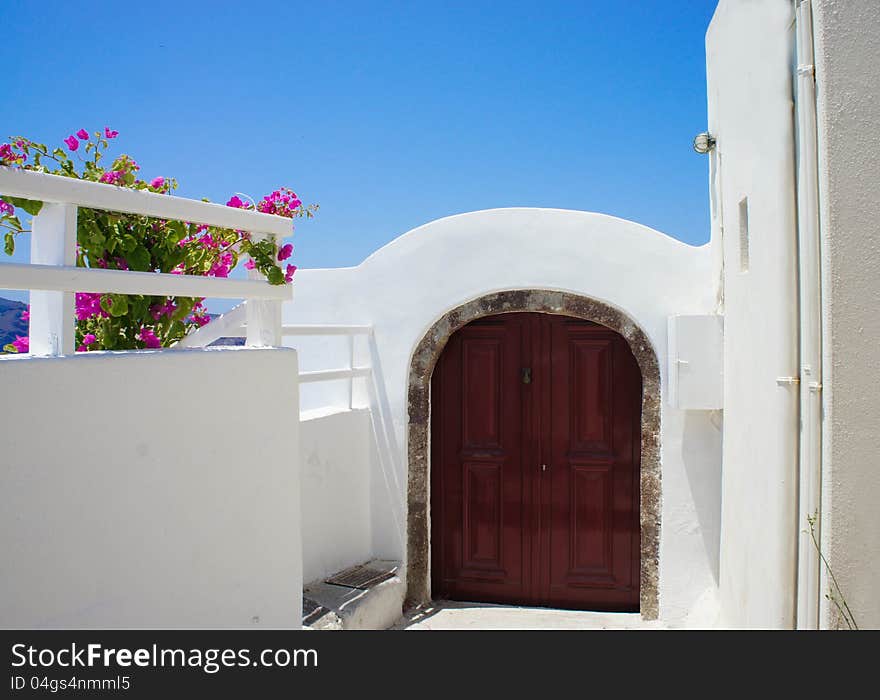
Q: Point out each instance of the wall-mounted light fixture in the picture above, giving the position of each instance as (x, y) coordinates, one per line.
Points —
(703, 143)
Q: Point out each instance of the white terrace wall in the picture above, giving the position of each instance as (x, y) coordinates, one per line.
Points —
(847, 41)
(336, 454)
(150, 490)
(410, 283)
(750, 47)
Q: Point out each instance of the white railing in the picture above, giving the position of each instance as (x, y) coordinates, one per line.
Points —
(233, 324)
(351, 372)
(52, 276)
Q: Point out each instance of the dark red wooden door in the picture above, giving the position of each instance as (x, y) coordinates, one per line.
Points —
(535, 434)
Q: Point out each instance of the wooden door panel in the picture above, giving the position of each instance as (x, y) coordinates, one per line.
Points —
(593, 506)
(479, 519)
(590, 524)
(482, 522)
(590, 389)
(504, 528)
(481, 392)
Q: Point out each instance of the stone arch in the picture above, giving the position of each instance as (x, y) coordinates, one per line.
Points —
(421, 367)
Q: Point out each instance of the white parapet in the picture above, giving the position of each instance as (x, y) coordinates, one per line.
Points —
(137, 494)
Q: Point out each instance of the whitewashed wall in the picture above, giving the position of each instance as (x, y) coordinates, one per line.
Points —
(337, 458)
(749, 54)
(848, 88)
(407, 285)
(146, 489)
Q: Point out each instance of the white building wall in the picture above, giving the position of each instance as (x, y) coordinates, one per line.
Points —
(336, 449)
(847, 43)
(410, 283)
(750, 45)
(150, 490)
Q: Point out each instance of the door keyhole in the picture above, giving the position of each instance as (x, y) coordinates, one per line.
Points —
(526, 375)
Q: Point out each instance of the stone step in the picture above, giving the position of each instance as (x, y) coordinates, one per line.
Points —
(365, 597)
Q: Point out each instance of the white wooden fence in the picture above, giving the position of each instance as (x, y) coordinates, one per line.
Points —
(53, 278)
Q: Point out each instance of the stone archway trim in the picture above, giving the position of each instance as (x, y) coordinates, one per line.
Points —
(424, 359)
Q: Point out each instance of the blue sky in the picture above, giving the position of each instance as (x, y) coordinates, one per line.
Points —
(386, 114)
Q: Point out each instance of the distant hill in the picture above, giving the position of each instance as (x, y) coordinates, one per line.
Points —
(11, 324)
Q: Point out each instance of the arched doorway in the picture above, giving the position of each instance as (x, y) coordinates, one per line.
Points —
(424, 359)
(535, 424)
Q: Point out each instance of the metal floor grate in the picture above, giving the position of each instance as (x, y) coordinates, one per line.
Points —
(363, 577)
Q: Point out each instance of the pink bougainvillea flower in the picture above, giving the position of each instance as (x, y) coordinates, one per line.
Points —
(157, 182)
(72, 143)
(26, 314)
(89, 305)
(207, 241)
(148, 338)
(83, 134)
(7, 155)
(234, 201)
(21, 343)
(288, 276)
(285, 252)
(168, 308)
(110, 134)
(88, 339)
(200, 319)
(222, 267)
(6, 208)
(112, 177)
(249, 265)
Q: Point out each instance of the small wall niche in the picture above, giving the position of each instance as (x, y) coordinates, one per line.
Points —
(744, 234)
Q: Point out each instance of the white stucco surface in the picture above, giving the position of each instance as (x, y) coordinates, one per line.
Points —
(150, 490)
(337, 458)
(847, 41)
(410, 283)
(749, 53)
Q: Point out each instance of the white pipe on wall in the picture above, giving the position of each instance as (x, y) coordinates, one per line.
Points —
(809, 275)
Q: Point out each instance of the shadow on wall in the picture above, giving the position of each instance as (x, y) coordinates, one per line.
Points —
(388, 514)
(701, 437)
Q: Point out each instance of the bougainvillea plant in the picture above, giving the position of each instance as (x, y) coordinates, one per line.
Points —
(129, 242)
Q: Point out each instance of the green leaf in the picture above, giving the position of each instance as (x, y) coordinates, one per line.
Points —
(139, 259)
(9, 241)
(31, 206)
(184, 308)
(274, 275)
(118, 305)
(177, 330)
(139, 305)
(91, 232)
(128, 242)
(10, 348)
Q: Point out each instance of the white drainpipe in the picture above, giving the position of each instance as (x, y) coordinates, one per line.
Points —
(810, 466)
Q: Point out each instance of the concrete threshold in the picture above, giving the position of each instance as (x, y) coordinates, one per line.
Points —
(455, 615)
(369, 603)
